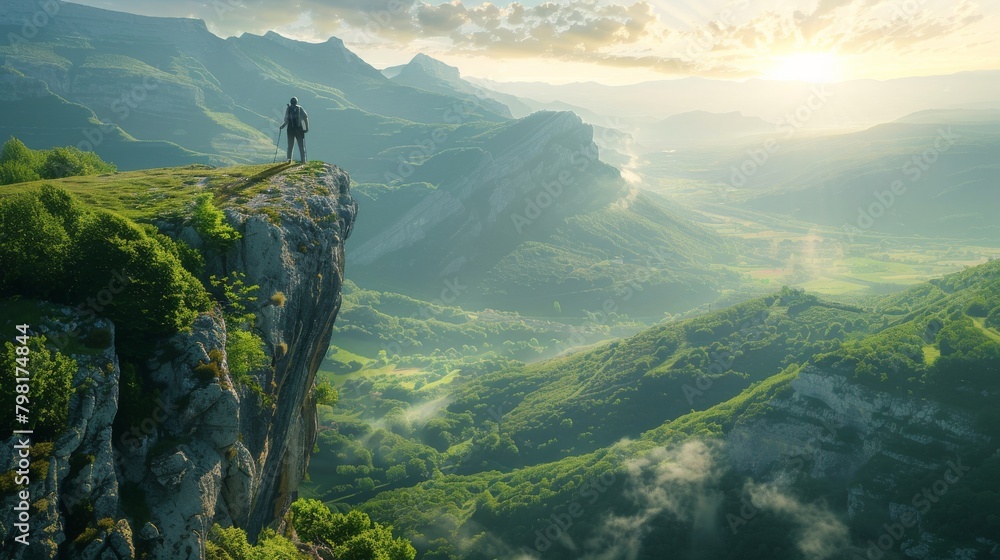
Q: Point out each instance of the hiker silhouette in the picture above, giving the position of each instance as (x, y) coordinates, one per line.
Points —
(297, 122)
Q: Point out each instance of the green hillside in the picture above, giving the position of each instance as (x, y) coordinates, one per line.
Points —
(528, 442)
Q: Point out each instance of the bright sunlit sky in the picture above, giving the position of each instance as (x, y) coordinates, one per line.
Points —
(624, 41)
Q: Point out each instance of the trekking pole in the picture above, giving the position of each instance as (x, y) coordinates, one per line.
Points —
(277, 144)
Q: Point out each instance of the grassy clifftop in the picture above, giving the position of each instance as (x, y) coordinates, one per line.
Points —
(167, 193)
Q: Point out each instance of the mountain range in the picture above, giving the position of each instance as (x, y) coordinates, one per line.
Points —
(561, 330)
(440, 165)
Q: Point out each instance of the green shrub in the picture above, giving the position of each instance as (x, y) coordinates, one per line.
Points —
(206, 373)
(210, 224)
(51, 388)
(72, 162)
(244, 347)
(124, 273)
(13, 172)
(325, 394)
(35, 247)
(14, 151)
(160, 298)
(246, 353)
(62, 206)
(19, 164)
(190, 258)
(353, 535)
(231, 544)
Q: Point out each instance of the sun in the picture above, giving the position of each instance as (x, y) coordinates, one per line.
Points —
(815, 67)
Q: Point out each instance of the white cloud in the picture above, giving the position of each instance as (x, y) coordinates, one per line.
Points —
(625, 34)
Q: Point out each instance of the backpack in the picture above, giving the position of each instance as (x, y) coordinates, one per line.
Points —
(294, 117)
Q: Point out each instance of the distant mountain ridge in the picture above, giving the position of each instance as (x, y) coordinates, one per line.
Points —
(424, 72)
(929, 173)
(441, 166)
(851, 103)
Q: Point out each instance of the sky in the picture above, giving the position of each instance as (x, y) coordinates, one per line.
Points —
(623, 41)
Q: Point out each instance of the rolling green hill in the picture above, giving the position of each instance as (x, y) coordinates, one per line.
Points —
(794, 419)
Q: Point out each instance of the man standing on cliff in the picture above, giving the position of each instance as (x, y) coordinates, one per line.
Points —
(297, 122)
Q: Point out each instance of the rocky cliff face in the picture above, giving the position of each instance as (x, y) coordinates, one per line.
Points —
(868, 443)
(547, 155)
(211, 450)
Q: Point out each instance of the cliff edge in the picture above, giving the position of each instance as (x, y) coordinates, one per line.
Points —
(212, 448)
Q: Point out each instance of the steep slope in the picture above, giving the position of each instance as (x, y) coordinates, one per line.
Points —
(627, 387)
(43, 119)
(166, 442)
(496, 215)
(878, 438)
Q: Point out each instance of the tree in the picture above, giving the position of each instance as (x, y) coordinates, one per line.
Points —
(353, 535)
(20, 164)
(51, 388)
(158, 296)
(396, 473)
(210, 223)
(35, 248)
(72, 162)
(313, 521)
(17, 163)
(325, 394)
(231, 544)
